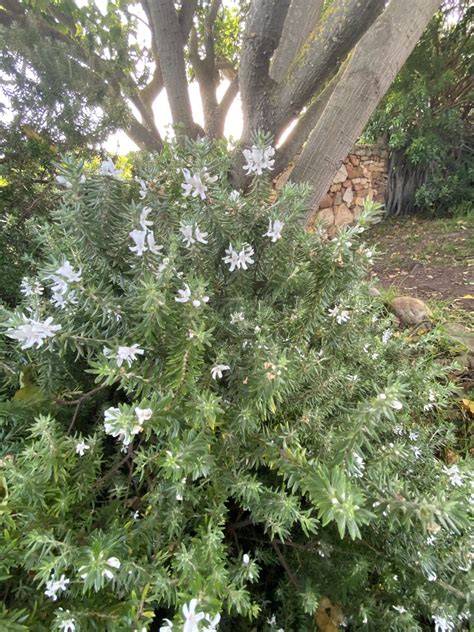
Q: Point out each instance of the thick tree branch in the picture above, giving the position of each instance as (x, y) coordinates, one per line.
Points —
(373, 65)
(300, 133)
(339, 30)
(301, 19)
(170, 44)
(261, 37)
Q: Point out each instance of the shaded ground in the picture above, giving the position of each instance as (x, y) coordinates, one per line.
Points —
(429, 259)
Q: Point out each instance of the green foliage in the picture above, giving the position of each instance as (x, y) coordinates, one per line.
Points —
(255, 438)
(426, 116)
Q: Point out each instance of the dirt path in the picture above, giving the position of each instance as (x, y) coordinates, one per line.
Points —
(431, 259)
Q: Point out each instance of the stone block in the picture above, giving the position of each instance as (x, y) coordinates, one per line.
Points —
(326, 216)
(355, 160)
(348, 196)
(335, 187)
(342, 216)
(341, 175)
(326, 202)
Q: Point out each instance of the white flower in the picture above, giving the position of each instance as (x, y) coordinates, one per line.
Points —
(81, 448)
(443, 624)
(187, 231)
(413, 436)
(168, 627)
(143, 414)
(234, 196)
(399, 609)
(213, 623)
(352, 378)
(431, 576)
(112, 562)
(245, 559)
(128, 354)
(184, 295)
(27, 289)
(122, 425)
(341, 315)
(138, 237)
(152, 247)
(274, 229)
(193, 185)
(387, 334)
(239, 260)
(236, 317)
(217, 371)
(67, 625)
(191, 617)
(359, 465)
(144, 221)
(67, 272)
(200, 236)
(107, 168)
(416, 452)
(258, 159)
(63, 181)
(455, 476)
(33, 332)
(143, 188)
(431, 400)
(53, 586)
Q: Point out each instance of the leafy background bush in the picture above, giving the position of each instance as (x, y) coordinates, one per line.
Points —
(259, 439)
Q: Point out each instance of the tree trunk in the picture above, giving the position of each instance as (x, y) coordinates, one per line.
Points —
(363, 83)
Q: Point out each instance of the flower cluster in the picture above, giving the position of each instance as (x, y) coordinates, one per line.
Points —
(124, 353)
(124, 424)
(144, 238)
(193, 619)
(195, 183)
(258, 159)
(192, 234)
(185, 295)
(62, 278)
(107, 168)
(55, 586)
(239, 259)
(33, 332)
(341, 315)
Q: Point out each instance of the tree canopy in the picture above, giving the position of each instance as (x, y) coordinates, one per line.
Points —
(323, 65)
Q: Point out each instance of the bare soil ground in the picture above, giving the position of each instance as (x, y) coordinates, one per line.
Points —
(429, 259)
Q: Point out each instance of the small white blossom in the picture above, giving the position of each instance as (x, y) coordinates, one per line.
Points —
(239, 260)
(413, 436)
(184, 295)
(33, 332)
(112, 563)
(128, 354)
(341, 315)
(431, 576)
(193, 183)
(191, 617)
(67, 625)
(234, 196)
(201, 237)
(167, 627)
(213, 623)
(416, 451)
(217, 371)
(359, 465)
(28, 289)
(81, 448)
(430, 540)
(443, 624)
(258, 159)
(143, 188)
(144, 221)
(122, 425)
(152, 247)
(187, 231)
(352, 378)
(107, 168)
(143, 414)
(67, 272)
(455, 476)
(245, 559)
(138, 237)
(399, 609)
(274, 229)
(387, 334)
(54, 586)
(236, 317)
(63, 181)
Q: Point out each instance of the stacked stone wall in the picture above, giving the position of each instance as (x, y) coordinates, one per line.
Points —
(362, 175)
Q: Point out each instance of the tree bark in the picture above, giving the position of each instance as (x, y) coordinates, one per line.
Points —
(391, 38)
(301, 19)
(170, 44)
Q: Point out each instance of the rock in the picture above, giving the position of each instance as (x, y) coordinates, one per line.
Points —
(342, 216)
(348, 196)
(355, 160)
(341, 175)
(460, 334)
(410, 311)
(326, 216)
(335, 187)
(337, 198)
(357, 210)
(326, 202)
(354, 172)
